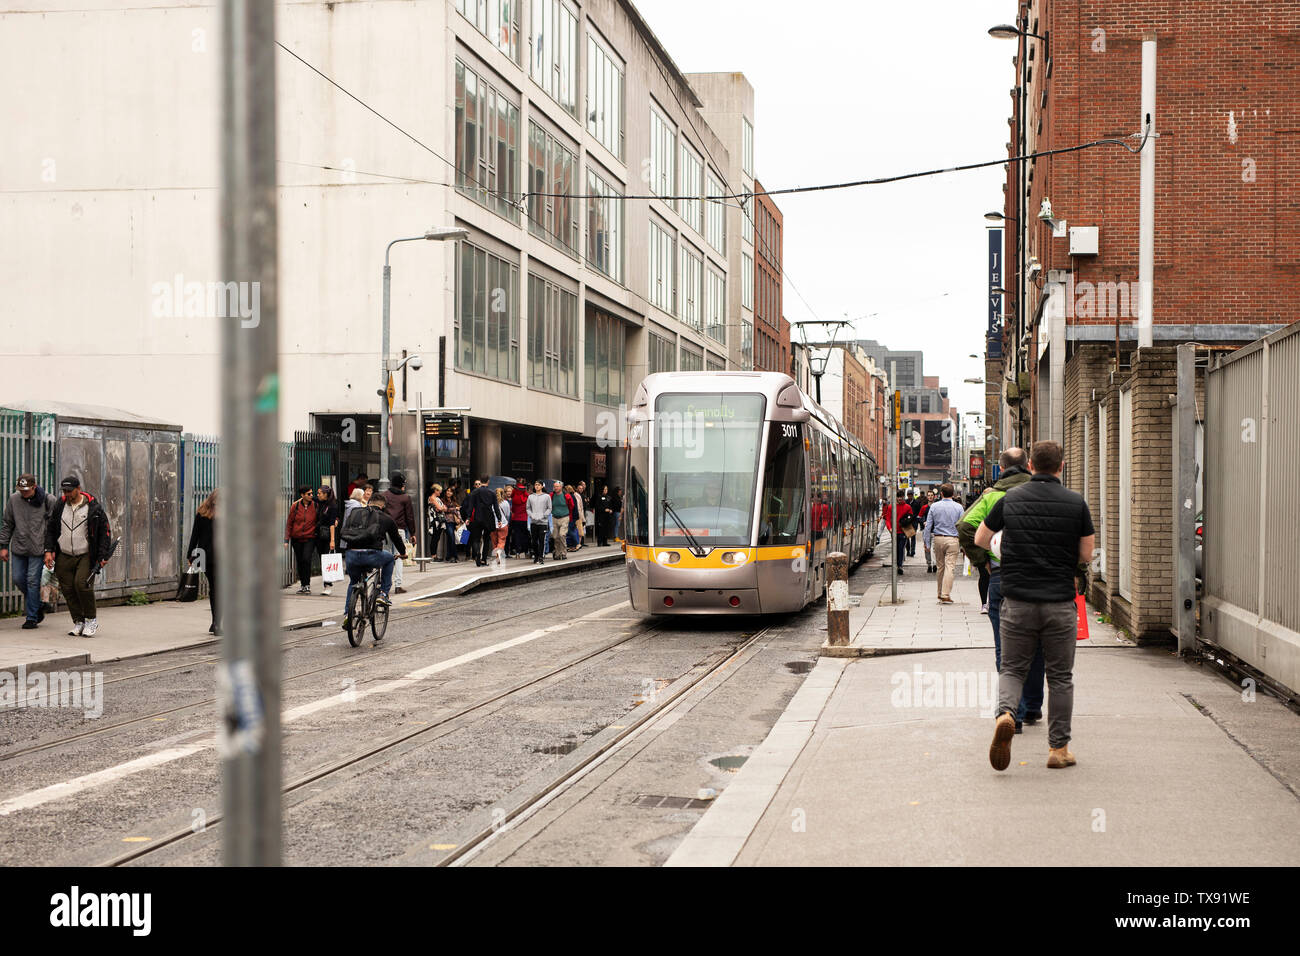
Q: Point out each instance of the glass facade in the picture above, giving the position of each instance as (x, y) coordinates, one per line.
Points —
(690, 294)
(552, 169)
(487, 144)
(486, 325)
(747, 344)
(498, 20)
(715, 306)
(555, 51)
(661, 291)
(605, 350)
(714, 364)
(663, 150)
(552, 338)
(604, 97)
(662, 354)
(604, 227)
(690, 182)
(692, 359)
(746, 280)
(715, 230)
(747, 147)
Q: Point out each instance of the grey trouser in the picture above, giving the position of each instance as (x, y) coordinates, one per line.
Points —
(1024, 625)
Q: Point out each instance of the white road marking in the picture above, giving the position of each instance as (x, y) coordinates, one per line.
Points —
(76, 785)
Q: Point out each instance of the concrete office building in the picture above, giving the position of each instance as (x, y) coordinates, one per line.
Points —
(541, 323)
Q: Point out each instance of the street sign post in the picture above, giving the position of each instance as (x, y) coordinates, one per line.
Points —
(390, 393)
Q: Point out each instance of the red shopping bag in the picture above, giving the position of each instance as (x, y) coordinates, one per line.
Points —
(1081, 610)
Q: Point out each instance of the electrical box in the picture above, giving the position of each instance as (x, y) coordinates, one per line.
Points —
(1083, 240)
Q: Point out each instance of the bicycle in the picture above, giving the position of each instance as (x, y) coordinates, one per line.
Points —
(364, 606)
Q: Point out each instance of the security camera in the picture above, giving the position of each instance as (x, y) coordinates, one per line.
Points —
(1045, 211)
(1035, 267)
(416, 363)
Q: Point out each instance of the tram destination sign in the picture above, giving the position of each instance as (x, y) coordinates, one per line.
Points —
(444, 426)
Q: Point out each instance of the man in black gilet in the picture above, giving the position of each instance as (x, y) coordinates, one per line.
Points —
(1046, 534)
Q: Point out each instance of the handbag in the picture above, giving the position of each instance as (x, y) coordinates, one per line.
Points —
(331, 567)
(189, 586)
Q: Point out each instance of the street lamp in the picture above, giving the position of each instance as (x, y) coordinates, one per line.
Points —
(1007, 31)
(973, 381)
(998, 217)
(433, 234)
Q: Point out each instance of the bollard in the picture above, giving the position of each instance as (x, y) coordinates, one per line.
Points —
(837, 599)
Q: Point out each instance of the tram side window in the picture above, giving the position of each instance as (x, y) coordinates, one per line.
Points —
(783, 486)
(637, 520)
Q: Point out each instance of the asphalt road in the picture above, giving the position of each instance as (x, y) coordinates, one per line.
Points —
(494, 693)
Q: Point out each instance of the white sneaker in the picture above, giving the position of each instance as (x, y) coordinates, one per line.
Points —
(76, 629)
(92, 625)
(327, 591)
(984, 608)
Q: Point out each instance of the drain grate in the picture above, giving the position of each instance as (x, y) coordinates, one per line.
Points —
(654, 801)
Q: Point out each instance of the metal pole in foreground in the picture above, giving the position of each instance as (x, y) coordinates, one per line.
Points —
(248, 681)
(893, 482)
(837, 599)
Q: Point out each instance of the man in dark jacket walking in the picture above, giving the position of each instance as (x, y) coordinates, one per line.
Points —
(22, 542)
(1046, 533)
(76, 546)
(481, 505)
(398, 506)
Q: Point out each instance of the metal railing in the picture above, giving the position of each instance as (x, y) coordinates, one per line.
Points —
(26, 446)
(1251, 549)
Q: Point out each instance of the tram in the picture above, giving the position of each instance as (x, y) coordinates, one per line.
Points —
(738, 486)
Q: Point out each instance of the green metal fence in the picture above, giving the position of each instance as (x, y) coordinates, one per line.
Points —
(26, 446)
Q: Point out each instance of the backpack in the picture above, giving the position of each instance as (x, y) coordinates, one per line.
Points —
(363, 530)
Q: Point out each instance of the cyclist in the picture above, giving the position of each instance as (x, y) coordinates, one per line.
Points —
(364, 531)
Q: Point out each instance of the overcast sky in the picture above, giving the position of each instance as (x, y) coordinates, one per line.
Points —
(854, 90)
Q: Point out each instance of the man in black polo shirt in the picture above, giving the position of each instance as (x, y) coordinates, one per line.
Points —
(1046, 533)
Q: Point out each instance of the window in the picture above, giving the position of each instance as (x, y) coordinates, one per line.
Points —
(555, 51)
(746, 280)
(925, 404)
(715, 230)
(747, 148)
(714, 364)
(692, 359)
(486, 323)
(604, 97)
(691, 293)
(747, 220)
(715, 306)
(662, 354)
(747, 344)
(604, 227)
(498, 20)
(689, 183)
(663, 148)
(552, 337)
(661, 267)
(487, 144)
(552, 175)
(605, 348)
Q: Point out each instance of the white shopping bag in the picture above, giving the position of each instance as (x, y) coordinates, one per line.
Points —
(331, 566)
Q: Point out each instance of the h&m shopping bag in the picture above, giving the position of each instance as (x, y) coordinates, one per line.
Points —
(331, 567)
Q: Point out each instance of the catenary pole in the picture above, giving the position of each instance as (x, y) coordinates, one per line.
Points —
(247, 528)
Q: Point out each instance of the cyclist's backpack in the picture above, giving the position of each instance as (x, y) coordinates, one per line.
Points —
(362, 529)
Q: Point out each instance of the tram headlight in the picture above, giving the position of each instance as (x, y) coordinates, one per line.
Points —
(668, 557)
(734, 558)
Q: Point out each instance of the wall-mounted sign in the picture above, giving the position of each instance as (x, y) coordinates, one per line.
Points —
(448, 426)
(995, 281)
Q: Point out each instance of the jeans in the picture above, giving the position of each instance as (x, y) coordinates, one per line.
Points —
(539, 541)
(900, 548)
(360, 562)
(450, 538)
(26, 572)
(303, 548)
(72, 572)
(1031, 695)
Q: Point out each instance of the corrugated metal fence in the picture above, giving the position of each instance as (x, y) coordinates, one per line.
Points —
(1252, 509)
(26, 446)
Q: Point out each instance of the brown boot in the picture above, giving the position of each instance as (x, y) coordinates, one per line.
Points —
(1058, 757)
(1000, 749)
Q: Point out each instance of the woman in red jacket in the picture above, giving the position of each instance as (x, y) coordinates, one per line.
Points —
(517, 544)
(300, 533)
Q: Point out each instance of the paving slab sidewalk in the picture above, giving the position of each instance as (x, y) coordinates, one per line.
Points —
(883, 760)
(136, 630)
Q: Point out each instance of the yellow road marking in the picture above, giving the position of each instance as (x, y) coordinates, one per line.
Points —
(136, 839)
(442, 846)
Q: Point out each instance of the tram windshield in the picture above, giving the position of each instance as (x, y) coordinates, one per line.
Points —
(706, 463)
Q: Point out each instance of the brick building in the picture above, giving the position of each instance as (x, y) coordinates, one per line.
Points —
(771, 330)
(928, 439)
(1226, 245)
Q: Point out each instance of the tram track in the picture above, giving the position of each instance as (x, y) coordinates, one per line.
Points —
(427, 733)
(349, 661)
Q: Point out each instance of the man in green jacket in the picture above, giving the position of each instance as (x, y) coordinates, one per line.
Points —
(1014, 470)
